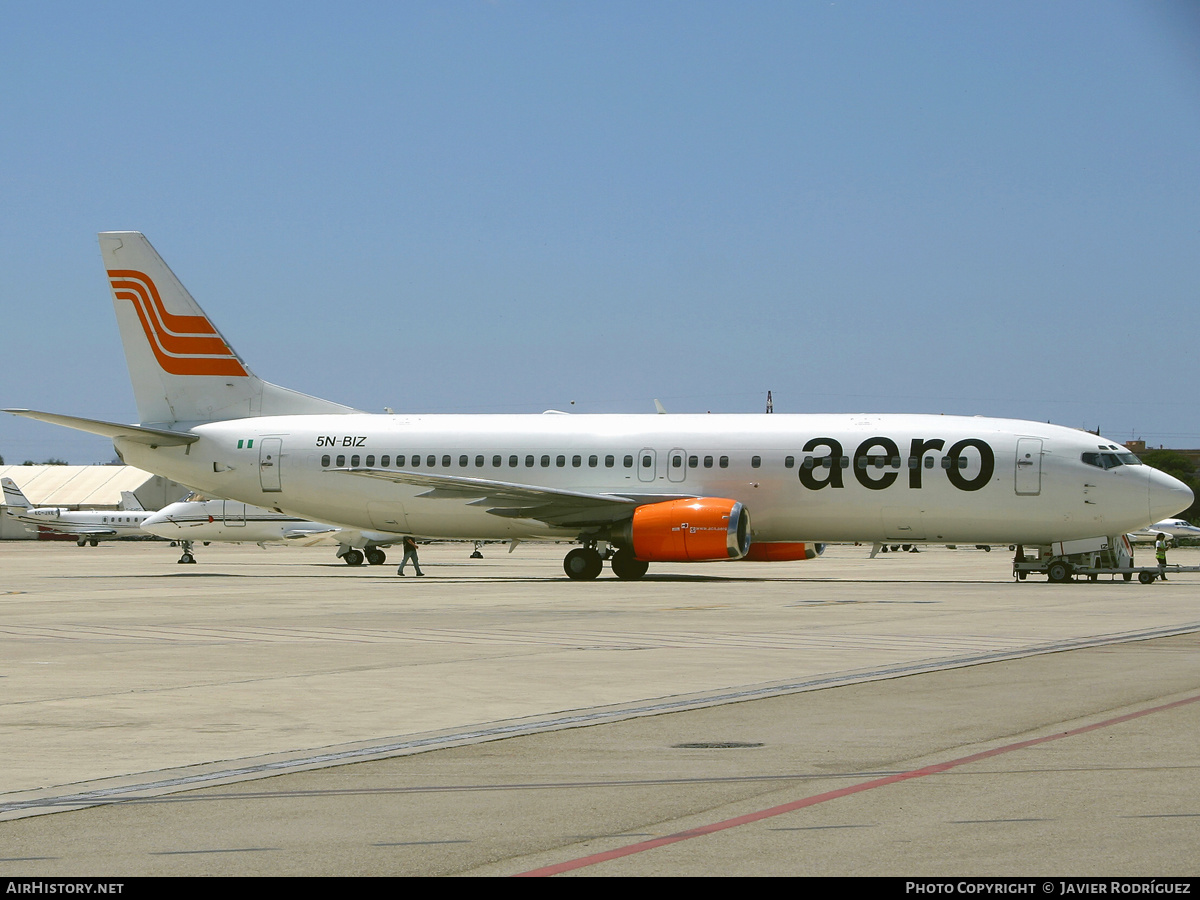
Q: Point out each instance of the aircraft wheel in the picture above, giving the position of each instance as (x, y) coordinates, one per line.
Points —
(1145, 577)
(628, 567)
(187, 558)
(353, 558)
(583, 564)
(1059, 572)
(376, 557)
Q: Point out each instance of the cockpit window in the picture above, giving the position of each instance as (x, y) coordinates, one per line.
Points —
(1110, 460)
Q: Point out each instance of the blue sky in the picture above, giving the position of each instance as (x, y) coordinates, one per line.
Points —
(946, 207)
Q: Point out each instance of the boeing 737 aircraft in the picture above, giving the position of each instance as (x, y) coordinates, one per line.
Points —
(656, 488)
(196, 518)
(89, 526)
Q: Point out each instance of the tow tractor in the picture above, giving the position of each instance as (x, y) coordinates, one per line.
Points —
(1061, 561)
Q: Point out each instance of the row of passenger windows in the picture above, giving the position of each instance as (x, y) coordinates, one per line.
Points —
(545, 460)
(530, 460)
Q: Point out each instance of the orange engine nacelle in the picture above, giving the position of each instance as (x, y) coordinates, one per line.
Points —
(783, 551)
(689, 530)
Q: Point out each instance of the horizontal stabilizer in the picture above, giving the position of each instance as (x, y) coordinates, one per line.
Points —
(154, 437)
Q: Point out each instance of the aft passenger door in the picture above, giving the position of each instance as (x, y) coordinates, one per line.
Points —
(270, 454)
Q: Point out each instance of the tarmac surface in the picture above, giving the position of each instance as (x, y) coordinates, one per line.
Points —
(274, 712)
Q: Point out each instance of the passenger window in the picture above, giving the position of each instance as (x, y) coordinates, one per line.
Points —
(431, 460)
(576, 461)
(609, 461)
(693, 461)
(354, 460)
(462, 460)
(497, 461)
(755, 462)
(529, 462)
(545, 461)
(560, 460)
(945, 462)
(723, 462)
(676, 462)
(646, 461)
(807, 462)
(512, 462)
(341, 461)
(385, 461)
(708, 461)
(789, 462)
(628, 460)
(593, 461)
(844, 462)
(929, 462)
(478, 462)
(370, 461)
(325, 460)
(416, 462)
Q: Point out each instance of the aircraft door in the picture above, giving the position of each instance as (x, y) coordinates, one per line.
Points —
(1029, 466)
(676, 465)
(646, 465)
(234, 514)
(270, 455)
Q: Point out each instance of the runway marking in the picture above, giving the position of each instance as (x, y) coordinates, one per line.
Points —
(750, 818)
(384, 748)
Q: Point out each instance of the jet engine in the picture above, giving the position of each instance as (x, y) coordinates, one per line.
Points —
(688, 530)
(783, 551)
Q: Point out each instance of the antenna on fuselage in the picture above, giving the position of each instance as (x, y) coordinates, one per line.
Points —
(770, 405)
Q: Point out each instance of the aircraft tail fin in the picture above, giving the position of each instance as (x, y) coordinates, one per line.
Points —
(12, 495)
(182, 368)
(130, 502)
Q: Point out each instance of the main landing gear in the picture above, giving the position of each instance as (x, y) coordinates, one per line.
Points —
(373, 555)
(586, 563)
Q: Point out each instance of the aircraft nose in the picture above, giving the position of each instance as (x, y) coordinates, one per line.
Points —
(1167, 496)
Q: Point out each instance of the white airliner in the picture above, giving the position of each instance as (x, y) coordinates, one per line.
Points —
(197, 518)
(653, 487)
(90, 526)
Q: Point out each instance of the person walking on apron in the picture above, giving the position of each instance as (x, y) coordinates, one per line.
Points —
(410, 552)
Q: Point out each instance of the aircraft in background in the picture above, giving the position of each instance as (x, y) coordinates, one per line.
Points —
(656, 488)
(1176, 528)
(198, 518)
(90, 526)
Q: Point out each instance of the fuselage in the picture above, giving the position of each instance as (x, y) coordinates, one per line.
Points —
(862, 477)
(229, 521)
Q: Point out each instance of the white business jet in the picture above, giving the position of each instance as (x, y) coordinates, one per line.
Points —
(89, 526)
(198, 518)
(655, 488)
(1176, 528)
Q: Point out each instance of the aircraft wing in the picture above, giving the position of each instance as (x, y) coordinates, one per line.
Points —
(68, 528)
(307, 530)
(510, 500)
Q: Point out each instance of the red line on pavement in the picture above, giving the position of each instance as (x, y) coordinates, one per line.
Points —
(643, 846)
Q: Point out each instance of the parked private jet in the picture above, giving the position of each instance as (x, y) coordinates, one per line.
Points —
(198, 518)
(1176, 528)
(90, 526)
(656, 488)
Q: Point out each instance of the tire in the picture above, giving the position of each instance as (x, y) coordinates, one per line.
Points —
(187, 558)
(376, 557)
(583, 564)
(1058, 572)
(1146, 577)
(627, 567)
(353, 558)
